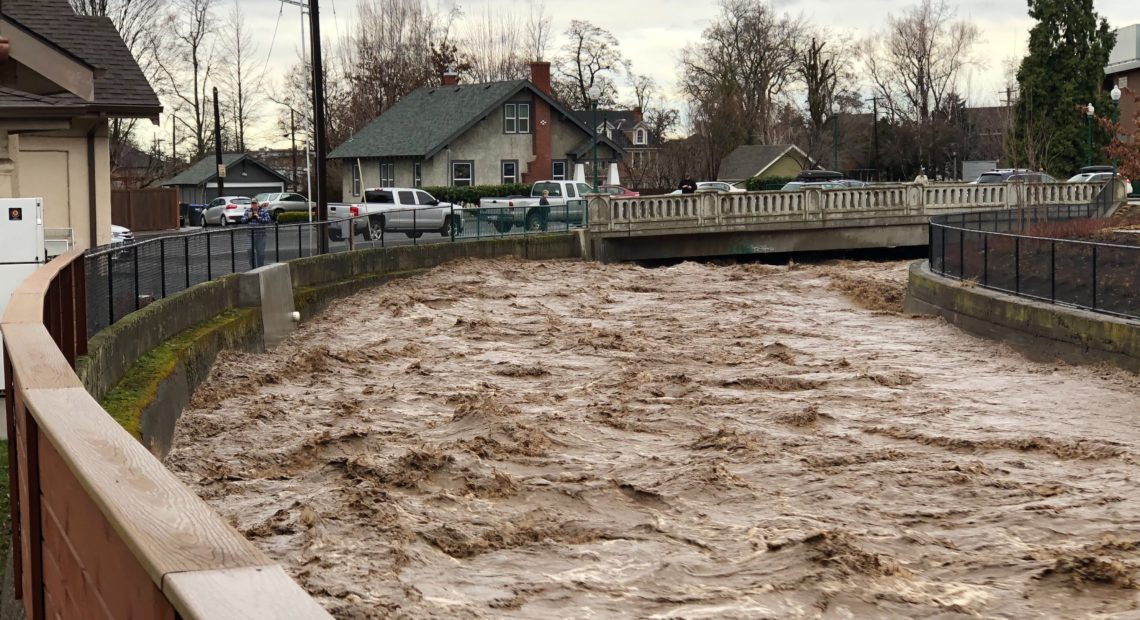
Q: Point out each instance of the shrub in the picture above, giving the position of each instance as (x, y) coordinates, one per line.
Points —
(764, 184)
(293, 217)
(472, 193)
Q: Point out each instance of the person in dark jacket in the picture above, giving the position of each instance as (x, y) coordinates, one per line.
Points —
(258, 218)
(688, 185)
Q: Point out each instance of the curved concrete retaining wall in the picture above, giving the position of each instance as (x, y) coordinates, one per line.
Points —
(101, 529)
(1040, 330)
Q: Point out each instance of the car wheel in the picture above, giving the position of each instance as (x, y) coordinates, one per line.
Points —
(414, 235)
(223, 220)
(450, 227)
(504, 227)
(375, 228)
(535, 221)
(277, 213)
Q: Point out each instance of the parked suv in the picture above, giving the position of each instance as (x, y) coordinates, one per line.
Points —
(1100, 174)
(1007, 175)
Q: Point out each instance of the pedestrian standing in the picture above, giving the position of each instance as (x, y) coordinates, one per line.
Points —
(545, 200)
(257, 218)
(688, 185)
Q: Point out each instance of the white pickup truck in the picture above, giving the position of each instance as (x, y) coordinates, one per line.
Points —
(397, 209)
(567, 203)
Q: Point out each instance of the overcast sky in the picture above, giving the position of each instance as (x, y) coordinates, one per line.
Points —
(652, 33)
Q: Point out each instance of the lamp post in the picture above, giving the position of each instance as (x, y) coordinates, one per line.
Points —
(594, 93)
(835, 137)
(1115, 95)
(1089, 111)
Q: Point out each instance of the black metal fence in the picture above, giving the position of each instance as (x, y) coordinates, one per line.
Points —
(123, 279)
(1011, 251)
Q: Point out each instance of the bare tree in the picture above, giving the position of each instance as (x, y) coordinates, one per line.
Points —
(915, 65)
(240, 79)
(141, 24)
(537, 30)
(493, 42)
(590, 57)
(186, 73)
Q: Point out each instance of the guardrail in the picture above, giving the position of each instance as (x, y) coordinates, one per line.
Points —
(122, 279)
(1009, 251)
(812, 203)
(100, 528)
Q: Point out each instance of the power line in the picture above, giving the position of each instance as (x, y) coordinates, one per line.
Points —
(273, 40)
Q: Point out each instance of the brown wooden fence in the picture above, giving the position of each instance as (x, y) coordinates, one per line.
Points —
(145, 209)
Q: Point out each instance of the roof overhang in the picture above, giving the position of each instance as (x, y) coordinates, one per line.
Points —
(791, 149)
(1122, 67)
(54, 63)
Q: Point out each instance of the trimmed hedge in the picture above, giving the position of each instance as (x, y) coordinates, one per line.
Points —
(764, 184)
(472, 193)
(294, 217)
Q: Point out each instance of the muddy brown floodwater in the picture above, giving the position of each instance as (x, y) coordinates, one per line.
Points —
(569, 439)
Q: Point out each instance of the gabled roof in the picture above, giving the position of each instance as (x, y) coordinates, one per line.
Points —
(425, 121)
(621, 121)
(749, 160)
(121, 89)
(205, 170)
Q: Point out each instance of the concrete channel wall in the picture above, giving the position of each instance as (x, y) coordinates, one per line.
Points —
(101, 529)
(1040, 330)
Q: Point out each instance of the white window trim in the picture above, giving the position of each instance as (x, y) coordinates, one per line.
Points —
(451, 173)
(503, 171)
(519, 117)
(554, 176)
(387, 181)
(417, 174)
(640, 136)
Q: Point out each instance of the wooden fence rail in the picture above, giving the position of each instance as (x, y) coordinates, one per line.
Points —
(100, 528)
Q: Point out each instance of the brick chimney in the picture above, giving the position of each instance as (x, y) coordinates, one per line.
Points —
(540, 168)
(450, 77)
(637, 115)
(540, 75)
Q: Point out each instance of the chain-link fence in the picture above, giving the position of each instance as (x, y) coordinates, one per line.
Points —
(1020, 251)
(122, 279)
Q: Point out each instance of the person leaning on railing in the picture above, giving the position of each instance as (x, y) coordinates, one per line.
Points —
(257, 217)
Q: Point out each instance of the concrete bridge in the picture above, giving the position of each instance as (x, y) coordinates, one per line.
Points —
(877, 216)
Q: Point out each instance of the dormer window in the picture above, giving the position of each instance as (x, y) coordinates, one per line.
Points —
(640, 136)
(516, 118)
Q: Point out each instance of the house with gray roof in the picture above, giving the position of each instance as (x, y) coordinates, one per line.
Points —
(245, 176)
(62, 76)
(762, 160)
(471, 134)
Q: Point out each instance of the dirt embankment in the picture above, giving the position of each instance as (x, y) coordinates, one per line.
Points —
(510, 439)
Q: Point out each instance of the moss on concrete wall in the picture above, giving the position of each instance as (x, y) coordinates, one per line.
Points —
(191, 351)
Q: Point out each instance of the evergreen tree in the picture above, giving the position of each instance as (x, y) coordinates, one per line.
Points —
(1064, 71)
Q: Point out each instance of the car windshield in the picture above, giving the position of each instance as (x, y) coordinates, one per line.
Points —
(991, 177)
(262, 197)
(1078, 178)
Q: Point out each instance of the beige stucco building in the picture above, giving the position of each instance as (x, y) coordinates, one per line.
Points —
(471, 134)
(63, 77)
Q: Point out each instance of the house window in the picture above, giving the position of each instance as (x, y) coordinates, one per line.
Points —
(516, 118)
(356, 179)
(387, 175)
(510, 171)
(1122, 81)
(417, 175)
(558, 170)
(462, 173)
(639, 136)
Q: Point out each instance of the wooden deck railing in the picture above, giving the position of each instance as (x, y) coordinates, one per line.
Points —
(100, 528)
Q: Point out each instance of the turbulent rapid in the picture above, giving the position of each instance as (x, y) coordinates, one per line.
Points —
(570, 439)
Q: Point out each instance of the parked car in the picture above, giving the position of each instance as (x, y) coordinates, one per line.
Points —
(820, 179)
(1099, 174)
(225, 210)
(714, 186)
(617, 190)
(121, 235)
(281, 202)
(1007, 175)
(795, 186)
(408, 210)
(566, 200)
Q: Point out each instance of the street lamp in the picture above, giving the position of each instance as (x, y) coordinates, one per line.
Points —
(594, 93)
(835, 137)
(1089, 111)
(1115, 94)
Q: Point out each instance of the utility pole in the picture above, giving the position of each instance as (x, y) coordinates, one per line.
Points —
(319, 120)
(174, 140)
(221, 166)
(875, 136)
(293, 135)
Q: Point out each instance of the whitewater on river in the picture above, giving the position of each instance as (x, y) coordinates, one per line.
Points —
(522, 439)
